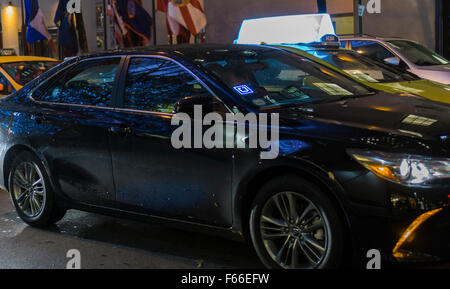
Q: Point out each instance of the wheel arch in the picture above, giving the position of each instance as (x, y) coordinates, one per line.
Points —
(15, 151)
(247, 191)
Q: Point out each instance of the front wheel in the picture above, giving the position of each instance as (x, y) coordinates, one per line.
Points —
(31, 192)
(294, 225)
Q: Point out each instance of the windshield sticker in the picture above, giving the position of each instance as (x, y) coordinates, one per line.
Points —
(370, 76)
(294, 92)
(332, 89)
(259, 102)
(243, 89)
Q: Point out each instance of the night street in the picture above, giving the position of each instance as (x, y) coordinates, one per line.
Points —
(237, 136)
(107, 243)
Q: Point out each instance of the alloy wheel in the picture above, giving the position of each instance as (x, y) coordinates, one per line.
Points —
(294, 231)
(29, 189)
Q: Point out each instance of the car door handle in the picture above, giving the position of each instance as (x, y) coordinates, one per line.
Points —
(121, 130)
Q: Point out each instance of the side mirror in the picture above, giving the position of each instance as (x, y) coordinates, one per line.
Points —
(187, 104)
(392, 60)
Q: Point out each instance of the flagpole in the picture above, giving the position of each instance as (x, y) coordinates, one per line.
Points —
(24, 37)
(105, 23)
(154, 21)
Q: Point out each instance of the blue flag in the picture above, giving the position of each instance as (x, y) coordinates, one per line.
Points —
(34, 21)
(135, 18)
(67, 32)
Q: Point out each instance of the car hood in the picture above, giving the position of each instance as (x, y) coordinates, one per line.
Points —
(429, 89)
(438, 73)
(444, 67)
(405, 115)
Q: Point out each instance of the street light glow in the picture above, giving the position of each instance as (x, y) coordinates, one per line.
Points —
(9, 9)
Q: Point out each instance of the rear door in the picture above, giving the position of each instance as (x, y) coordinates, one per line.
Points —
(71, 118)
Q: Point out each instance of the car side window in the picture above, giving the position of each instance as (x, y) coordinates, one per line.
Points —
(5, 87)
(371, 49)
(89, 83)
(156, 85)
(343, 44)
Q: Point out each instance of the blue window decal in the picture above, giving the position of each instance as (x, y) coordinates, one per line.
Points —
(243, 89)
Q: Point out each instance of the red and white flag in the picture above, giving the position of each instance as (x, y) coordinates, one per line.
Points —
(187, 13)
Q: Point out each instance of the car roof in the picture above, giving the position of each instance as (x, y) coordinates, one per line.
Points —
(369, 37)
(188, 51)
(9, 59)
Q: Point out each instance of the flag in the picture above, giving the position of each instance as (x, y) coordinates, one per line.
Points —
(134, 17)
(119, 27)
(188, 13)
(67, 32)
(173, 27)
(34, 21)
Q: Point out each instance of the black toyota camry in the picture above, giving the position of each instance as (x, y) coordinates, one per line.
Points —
(357, 171)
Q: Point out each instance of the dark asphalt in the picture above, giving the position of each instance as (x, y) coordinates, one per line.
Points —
(112, 243)
(106, 243)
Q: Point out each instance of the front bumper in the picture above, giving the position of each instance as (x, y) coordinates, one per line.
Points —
(405, 224)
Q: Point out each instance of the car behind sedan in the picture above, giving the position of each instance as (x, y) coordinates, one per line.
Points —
(357, 170)
(17, 71)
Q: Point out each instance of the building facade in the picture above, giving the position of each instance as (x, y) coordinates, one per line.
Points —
(425, 21)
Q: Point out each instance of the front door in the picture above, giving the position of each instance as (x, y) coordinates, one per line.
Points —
(151, 176)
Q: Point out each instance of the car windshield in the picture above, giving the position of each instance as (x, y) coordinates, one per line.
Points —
(269, 78)
(362, 67)
(25, 71)
(417, 53)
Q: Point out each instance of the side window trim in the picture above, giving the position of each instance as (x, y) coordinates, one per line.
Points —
(62, 74)
(124, 73)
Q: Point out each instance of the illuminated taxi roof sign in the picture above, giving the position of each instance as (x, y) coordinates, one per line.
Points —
(286, 29)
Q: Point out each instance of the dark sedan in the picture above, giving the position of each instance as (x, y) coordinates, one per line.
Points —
(358, 171)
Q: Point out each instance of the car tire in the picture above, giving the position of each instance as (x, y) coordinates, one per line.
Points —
(295, 217)
(31, 192)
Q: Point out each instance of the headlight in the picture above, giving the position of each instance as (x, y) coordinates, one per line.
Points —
(407, 170)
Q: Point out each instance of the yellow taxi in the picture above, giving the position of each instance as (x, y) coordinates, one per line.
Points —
(16, 71)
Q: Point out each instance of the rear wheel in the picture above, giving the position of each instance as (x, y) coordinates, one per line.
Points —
(31, 192)
(294, 225)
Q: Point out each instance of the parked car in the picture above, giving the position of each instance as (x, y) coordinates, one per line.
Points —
(16, 71)
(317, 37)
(404, 53)
(374, 73)
(358, 169)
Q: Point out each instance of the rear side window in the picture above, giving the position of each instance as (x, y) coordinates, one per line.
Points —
(156, 85)
(89, 83)
(371, 49)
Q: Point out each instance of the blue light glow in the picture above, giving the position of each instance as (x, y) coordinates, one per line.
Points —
(243, 89)
(285, 29)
